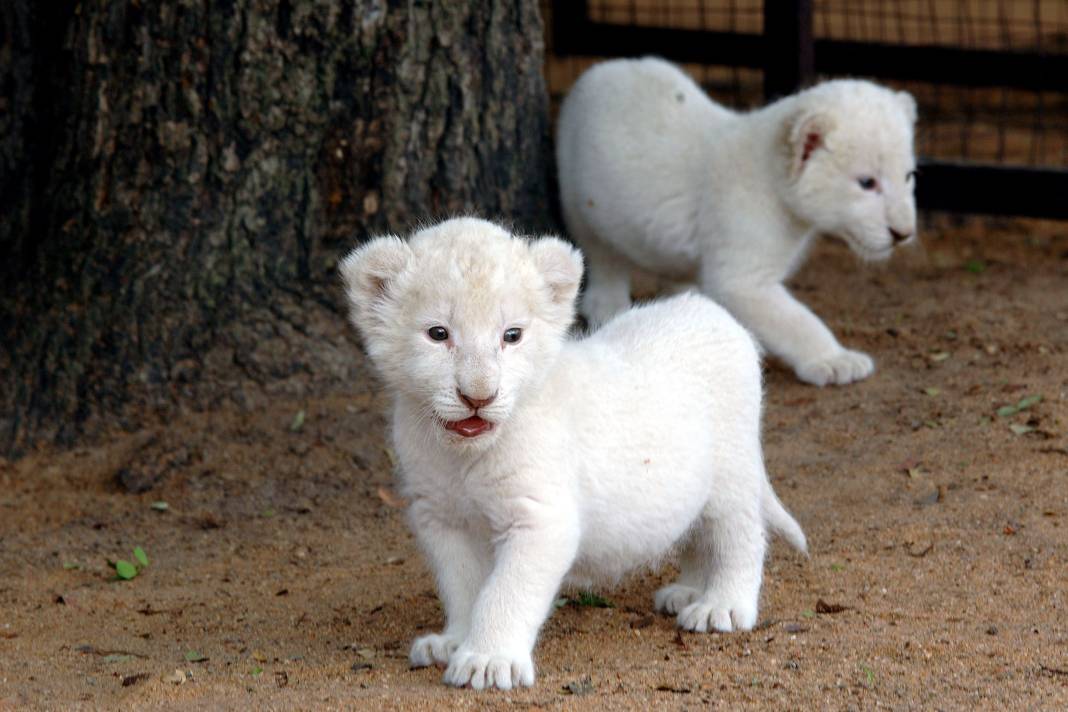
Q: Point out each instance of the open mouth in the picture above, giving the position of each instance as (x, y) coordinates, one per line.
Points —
(469, 427)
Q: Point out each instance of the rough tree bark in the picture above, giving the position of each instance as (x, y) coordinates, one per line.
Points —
(171, 167)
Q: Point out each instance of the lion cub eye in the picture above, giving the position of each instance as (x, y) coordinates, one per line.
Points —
(438, 333)
(513, 335)
(868, 183)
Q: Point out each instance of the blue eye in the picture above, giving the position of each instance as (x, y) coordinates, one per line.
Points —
(438, 333)
(513, 335)
(868, 183)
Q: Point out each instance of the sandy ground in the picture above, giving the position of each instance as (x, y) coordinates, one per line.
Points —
(283, 560)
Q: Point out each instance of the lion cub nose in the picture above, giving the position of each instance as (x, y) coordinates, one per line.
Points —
(476, 403)
(899, 237)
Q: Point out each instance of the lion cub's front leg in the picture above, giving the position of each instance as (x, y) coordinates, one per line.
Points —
(532, 559)
(789, 330)
(460, 566)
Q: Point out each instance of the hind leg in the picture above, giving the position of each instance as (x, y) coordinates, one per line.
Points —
(607, 291)
(671, 599)
(730, 546)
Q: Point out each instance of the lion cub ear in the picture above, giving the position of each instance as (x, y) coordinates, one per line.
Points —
(807, 133)
(908, 104)
(560, 265)
(368, 272)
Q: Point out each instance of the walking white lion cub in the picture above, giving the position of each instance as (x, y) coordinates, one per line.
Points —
(656, 175)
(530, 460)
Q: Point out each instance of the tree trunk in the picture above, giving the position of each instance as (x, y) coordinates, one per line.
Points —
(177, 168)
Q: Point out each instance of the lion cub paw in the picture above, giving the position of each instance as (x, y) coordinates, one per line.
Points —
(503, 671)
(432, 650)
(673, 598)
(712, 613)
(843, 367)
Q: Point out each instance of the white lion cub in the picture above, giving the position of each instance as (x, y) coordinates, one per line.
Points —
(531, 460)
(654, 174)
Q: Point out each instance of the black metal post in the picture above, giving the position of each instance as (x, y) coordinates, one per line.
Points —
(788, 47)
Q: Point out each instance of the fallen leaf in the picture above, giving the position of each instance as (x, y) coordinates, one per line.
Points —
(357, 667)
(579, 687)
(134, 679)
(176, 678)
(195, 657)
(390, 499)
(125, 570)
(829, 608)
(918, 553)
(117, 658)
(1021, 429)
(1029, 401)
(160, 506)
(939, 356)
(932, 391)
(281, 678)
(297, 422)
(140, 555)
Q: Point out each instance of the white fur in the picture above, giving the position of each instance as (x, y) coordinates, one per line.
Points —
(654, 174)
(607, 454)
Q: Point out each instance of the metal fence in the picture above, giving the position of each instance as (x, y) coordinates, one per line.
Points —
(991, 76)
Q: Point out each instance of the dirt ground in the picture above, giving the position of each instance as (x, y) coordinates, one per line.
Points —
(938, 530)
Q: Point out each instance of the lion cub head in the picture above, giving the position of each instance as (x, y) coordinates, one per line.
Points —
(463, 319)
(852, 164)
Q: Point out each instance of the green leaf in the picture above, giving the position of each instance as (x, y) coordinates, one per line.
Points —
(560, 602)
(808, 614)
(1021, 429)
(69, 565)
(195, 657)
(975, 266)
(593, 601)
(160, 506)
(1029, 401)
(298, 422)
(125, 570)
(140, 555)
(932, 391)
(117, 658)
(267, 513)
(256, 671)
(1007, 410)
(939, 356)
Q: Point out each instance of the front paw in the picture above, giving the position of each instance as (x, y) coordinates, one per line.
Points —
(432, 650)
(843, 367)
(501, 670)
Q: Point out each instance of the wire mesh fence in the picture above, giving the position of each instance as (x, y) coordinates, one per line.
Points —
(988, 124)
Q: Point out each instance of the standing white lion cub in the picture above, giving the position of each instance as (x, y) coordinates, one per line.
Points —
(656, 175)
(531, 460)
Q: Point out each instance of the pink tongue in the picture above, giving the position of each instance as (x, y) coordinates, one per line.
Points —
(470, 427)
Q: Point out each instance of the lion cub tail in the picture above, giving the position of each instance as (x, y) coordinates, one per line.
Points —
(779, 521)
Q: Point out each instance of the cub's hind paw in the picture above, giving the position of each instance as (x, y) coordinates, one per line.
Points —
(674, 597)
(708, 614)
(843, 367)
(501, 670)
(432, 649)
